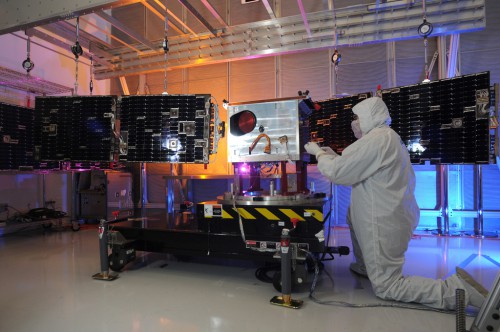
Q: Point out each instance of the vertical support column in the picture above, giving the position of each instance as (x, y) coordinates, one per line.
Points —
(124, 85)
(142, 84)
(445, 217)
(335, 201)
(169, 191)
(391, 64)
(301, 171)
(442, 57)
(44, 190)
(144, 186)
(453, 69)
(75, 206)
(284, 178)
(478, 180)
(228, 91)
(443, 223)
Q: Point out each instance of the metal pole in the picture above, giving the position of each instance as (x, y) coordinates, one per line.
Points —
(446, 218)
(44, 191)
(443, 222)
(478, 224)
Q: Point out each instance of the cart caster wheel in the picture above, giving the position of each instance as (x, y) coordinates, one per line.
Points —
(115, 263)
(277, 281)
(75, 227)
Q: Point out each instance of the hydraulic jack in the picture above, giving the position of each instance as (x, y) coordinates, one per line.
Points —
(285, 300)
(103, 253)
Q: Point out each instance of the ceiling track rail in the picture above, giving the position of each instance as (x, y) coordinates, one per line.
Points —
(21, 15)
(22, 82)
(259, 39)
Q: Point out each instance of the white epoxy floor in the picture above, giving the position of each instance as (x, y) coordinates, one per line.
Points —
(46, 285)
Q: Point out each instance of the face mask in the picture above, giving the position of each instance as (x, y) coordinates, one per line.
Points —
(356, 128)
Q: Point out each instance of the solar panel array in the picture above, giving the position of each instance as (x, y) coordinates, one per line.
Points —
(443, 122)
(167, 128)
(16, 136)
(331, 124)
(79, 128)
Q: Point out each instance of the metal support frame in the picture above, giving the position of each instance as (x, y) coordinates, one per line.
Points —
(20, 81)
(110, 35)
(151, 7)
(124, 85)
(355, 26)
(123, 28)
(442, 57)
(200, 18)
(269, 9)
(453, 68)
(304, 18)
(67, 45)
(16, 15)
(444, 220)
(391, 63)
(214, 13)
(142, 85)
(478, 180)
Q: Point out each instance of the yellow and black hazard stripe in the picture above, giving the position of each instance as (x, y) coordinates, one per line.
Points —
(272, 213)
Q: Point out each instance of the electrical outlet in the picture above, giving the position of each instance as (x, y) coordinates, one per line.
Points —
(3, 207)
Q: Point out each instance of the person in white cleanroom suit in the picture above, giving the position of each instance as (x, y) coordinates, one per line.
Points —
(383, 212)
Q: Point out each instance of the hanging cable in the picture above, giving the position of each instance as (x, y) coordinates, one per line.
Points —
(77, 52)
(91, 68)
(28, 66)
(165, 50)
(336, 56)
(424, 30)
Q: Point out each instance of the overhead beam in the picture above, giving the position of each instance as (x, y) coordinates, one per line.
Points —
(200, 18)
(327, 4)
(269, 9)
(34, 32)
(110, 35)
(61, 29)
(355, 27)
(124, 85)
(162, 16)
(17, 15)
(214, 13)
(126, 30)
(304, 17)
(178, 20)
(83, 35)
